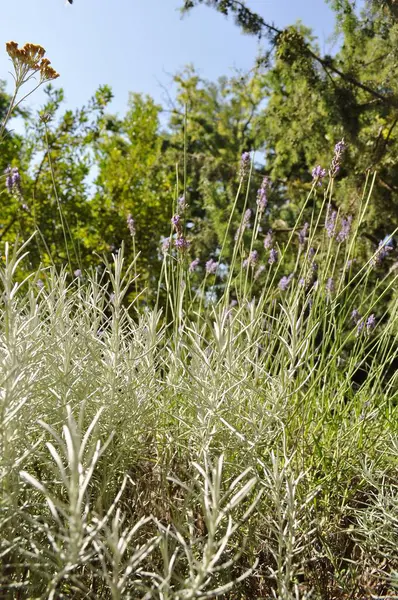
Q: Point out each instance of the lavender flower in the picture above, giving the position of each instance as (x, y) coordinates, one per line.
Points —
(381, 253)
(330, 223)
(330, 285)
(40, 284)
(259, 272)
(193, 265)
(131, 225)
(8, 179)
(182, 205)
(78, 273)
(355, 316)
(13, 179)
(318, 174)
(182, 243)
(268, 240)
(370, 323)
(273, 256)
(311, 253)
(360, 326)
(303, 234)
(16, 178)
(246, 217)
(244, 225)
(251, 260)
(165, 245)
(211, 266)
(244, 165)
(339, 150)
(262, 199)
(176, 222)
(344, 232)
(285, 282)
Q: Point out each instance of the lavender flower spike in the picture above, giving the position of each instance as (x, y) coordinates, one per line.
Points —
(285, 282)
(330, 223)
(370, 323)
(339, 150)
(268, 240)
(273, 256)
(262, 199)
(182, 204)
(131, 225)
(244, 165)
(182, 243)
(330, 285)
(318, 174)
(344, 232)
(211, 266)
(193, 265)
(303, 234)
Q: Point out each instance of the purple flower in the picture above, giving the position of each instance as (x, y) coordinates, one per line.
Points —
(13, 179)
(176, 221)
(40, 284)
(131, 225)
(262, 199)
(181, 243)
(355, 316)
(244, 165)
(380, 254)
(360, 326)
(318, 174)
(251, 260)
(77, 273)
(7, 172)
(246, 217)
(268, 240)
(259, 272)
(370, 323)
(182, 205)
(15, 176)
(339, 150)
(273, 256)
(211, 266)
(302, 281)
(285, 282)
(311, 253)
(165, 245)
(193, 265)
(330, 223)
(303, 234)
(244, 225)
(344, 232)
(330, 285)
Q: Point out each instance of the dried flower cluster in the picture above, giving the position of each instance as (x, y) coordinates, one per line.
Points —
(30, 58)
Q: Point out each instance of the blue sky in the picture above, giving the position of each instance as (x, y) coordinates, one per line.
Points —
(136, 45)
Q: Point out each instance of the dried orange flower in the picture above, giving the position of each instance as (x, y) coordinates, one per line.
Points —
(30, 56)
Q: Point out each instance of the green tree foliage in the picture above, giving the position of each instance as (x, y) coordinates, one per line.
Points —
(133, 178)
(314, 100)
(211, 125)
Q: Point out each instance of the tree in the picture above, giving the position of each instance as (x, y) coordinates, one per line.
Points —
(314, 100)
